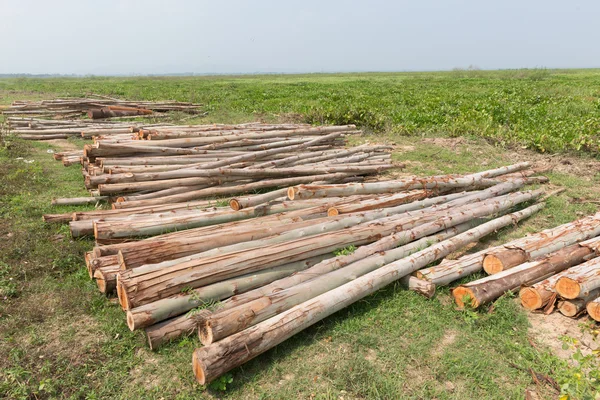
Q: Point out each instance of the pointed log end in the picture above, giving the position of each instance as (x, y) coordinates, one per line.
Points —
(235, 205)
(205, 332)
(567, 288)
(530, 298)
(198, 367)
(492, 264)
(332, 212)
(593, 310)
(463, 294)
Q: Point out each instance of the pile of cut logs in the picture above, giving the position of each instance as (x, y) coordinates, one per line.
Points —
(96, 107)
(558, 267)
(29, 128)
(181, 164)
(264, 268)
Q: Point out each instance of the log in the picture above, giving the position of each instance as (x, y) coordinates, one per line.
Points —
(420, 286)
(252, 201)
(76, 201)
(379, 202)
(106, 278)
(580, 280)
(593, 309)
(545, 242)
(214, 360)
(573, 308)
(491, 287)
(163, 332)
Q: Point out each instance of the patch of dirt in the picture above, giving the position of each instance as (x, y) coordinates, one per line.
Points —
(447, 340)
(447, 143)
(548, 329)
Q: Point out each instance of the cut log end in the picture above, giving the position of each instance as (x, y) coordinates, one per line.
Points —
(568, 288)
(130, 321)
(332, 212)
(462, 294)
(492, 264)
(205, 333)
(291, 193)
(198, 367)
(235, 204)
(593, 310)
(120, 200)
(495, 263)
(568, 309)
(122, 295)
(530, 298)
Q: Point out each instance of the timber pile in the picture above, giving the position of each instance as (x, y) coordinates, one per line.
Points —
(96, 107)
(556, 268)
(180, 164)
(46, 129)
(266, 262)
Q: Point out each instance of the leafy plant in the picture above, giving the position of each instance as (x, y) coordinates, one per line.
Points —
(345, 251)
(220, 384)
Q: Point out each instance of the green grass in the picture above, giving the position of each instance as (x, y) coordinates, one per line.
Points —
(548, 110)
(59, 338)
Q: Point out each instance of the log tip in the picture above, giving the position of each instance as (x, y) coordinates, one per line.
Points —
(463, 294)
(100, 281)
(205, 332)
(291, 193)
(332, 212)
(568, 288)
(235, 205)
(130, 321)
(198, 367)
(492, 264)
(530, 298)
(593, 310)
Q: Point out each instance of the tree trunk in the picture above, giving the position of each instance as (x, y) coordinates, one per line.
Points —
(573, 308)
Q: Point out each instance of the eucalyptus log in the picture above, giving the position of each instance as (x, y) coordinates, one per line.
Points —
(573, 308)
(214, 360)
(580, 280)
(76, 201)
(487, 289)
(593, 309)
(543, 243)
(252, 201)
(106, 278)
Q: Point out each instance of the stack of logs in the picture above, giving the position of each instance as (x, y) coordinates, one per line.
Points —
(47, 129)
(265, 269)
(181, 164)
(96, 107)
(558, 267)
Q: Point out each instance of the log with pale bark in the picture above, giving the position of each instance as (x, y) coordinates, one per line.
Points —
(543, 243)
(212, 361)
(485, 290)
(575, 307)
(579, 281)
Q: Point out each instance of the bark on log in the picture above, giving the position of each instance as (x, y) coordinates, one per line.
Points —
(593, 309)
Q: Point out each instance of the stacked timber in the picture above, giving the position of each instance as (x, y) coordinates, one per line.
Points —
(154, 169)
(96, 107)
(46, 129)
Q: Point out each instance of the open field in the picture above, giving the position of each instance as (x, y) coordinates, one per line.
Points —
(59, 338)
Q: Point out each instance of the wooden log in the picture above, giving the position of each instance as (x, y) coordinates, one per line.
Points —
(252, 201)
(214, 360)
(580, 280)
(573, 308)
(420, 286)
(593, 309)
(545, 242)
(106, 278)
(76, 201)
(99, 262)
(487, 289)
(166, 331)
(379, 202)
(57, 218)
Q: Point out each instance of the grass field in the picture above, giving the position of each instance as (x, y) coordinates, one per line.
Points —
(59, 338)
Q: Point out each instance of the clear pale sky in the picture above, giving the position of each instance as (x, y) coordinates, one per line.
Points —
(235, 36)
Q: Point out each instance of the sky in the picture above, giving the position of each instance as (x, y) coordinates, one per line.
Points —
(111, 37)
